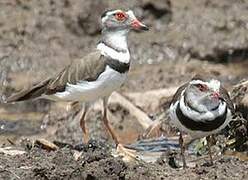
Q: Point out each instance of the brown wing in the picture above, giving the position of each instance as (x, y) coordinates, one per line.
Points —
(87, 68)
(178, 93)
(225, 96)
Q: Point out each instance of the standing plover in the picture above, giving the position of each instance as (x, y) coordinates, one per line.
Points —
(201, 107)
(97, 74)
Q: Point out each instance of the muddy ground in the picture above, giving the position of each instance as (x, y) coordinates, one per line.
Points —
(38, 38)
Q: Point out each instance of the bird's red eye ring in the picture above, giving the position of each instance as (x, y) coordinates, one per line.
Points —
(120, 16)
(202, 87)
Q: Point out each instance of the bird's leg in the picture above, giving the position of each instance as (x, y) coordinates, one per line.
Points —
(82, 122)
(120, 148)
(182, 147)
(209, 143)
(106, 123)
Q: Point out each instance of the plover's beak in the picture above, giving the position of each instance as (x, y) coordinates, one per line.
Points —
(137, 25)
(215, 95)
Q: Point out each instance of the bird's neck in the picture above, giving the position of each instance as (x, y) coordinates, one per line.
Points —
(113, 44)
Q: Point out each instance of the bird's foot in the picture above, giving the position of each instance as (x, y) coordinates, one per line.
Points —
(127, 154)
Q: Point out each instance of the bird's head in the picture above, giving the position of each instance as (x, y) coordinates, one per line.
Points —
(203, 93)
(121, 20)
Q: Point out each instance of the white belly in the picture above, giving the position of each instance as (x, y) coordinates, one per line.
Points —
(84, 91)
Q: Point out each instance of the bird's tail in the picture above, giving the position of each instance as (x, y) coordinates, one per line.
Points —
(31, 93)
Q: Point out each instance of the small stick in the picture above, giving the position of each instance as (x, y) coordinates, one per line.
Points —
(141, 116)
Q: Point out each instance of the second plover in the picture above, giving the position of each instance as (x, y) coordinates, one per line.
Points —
(201, 107)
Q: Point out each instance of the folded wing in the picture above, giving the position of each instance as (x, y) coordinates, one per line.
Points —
(85, 69)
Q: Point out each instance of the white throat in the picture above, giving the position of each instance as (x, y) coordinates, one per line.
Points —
(114, 45)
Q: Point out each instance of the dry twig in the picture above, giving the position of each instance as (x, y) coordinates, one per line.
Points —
(141, 116)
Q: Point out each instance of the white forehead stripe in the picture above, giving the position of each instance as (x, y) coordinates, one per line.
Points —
(197, 82)
(113, 12)
(131, 14)
(110, 13)
(212, 84)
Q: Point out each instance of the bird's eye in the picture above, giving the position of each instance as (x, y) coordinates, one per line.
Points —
(120, 16)
(202, 87)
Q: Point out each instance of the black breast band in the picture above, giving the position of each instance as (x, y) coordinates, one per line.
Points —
(118, 66)
(200, 125)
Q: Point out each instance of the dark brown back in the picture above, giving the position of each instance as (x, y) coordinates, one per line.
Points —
(85, 69)
(177, 95)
